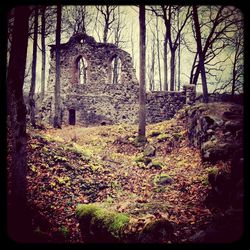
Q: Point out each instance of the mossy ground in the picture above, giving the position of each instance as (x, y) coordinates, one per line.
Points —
(85, 165)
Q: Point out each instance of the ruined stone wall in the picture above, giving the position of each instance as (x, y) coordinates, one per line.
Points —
(109, 104)
(163, 105)
(99, 101)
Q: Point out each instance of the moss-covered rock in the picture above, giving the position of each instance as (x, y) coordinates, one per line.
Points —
(213, 150)
(142, 159)
(163, 137)
(156, 164)
(100, 225)
(162, 180)
(149, 151)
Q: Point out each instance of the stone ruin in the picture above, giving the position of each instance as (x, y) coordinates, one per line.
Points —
(92, 94)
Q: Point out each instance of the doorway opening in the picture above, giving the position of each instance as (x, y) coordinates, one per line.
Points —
(72, 117)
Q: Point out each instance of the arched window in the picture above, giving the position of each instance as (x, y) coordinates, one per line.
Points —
(81, 64)
(116, 70)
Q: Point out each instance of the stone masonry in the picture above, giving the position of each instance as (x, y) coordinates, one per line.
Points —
(98, 101)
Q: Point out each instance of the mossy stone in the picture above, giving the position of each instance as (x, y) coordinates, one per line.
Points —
(100, 225)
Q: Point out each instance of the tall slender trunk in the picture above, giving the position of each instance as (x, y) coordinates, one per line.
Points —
(152, 68)
(19, 221)
(58, 116)
(234, 71)
(33, 76)
(172, 69)
(158, 53)
(192, 70)
(105, 32)
(43, 52)
(201, 54)
(179, 57)
(166, 63)
(142, 91)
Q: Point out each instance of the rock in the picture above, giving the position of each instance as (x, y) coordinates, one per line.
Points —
(160, 231)
(213, 121)
(162, 180)
(156, 165)
(99, 225)
(213, 150)
(149, 150)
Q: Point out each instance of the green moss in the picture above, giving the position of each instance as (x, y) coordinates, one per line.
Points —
(143, 159)
(162, 180)
(163, 137)
(111, 221)
(156, 164)
(212, 170)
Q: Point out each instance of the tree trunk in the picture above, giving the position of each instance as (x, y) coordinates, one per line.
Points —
(158, 53)
(33, 76)
(179, 57)
(166, 63)
(43, 52)
(172, 69)
(19, 222)
(201, 54)
(152, 68)
(234, 71)
(105, 32)
(192, 70)
(142, 92)
(58, 116)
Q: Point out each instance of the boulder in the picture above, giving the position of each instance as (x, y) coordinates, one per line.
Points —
(149, 151)
(213, 150)
(99, 225)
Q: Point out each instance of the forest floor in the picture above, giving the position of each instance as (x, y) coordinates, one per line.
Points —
(105, 164)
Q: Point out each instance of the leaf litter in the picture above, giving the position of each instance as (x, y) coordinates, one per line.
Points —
(97, 164)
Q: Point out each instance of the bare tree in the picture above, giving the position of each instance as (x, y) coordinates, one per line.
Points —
(33, 76)
(217, 24)
(57, 116)
(43, 35)
(142, 91)
(238, 70)
(19, 223)
(76, 19)
(168, 13)
(152, 66)
(158, 57)
(179, 54)
(108, 15)
(201, 55)
(118, 28)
